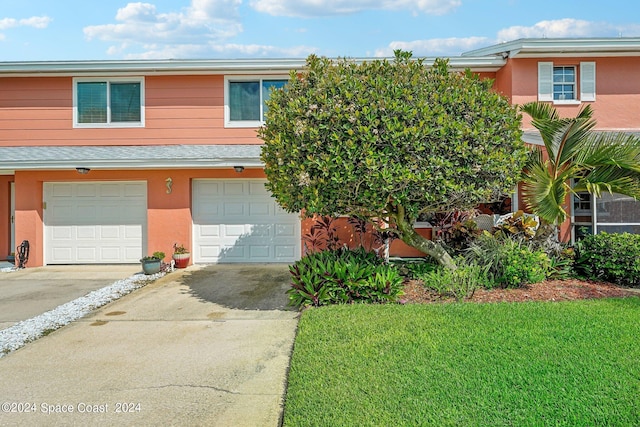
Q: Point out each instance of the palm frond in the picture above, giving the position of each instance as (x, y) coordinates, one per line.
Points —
(544, 194)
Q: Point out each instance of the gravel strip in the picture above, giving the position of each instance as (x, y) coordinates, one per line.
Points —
(29, 330)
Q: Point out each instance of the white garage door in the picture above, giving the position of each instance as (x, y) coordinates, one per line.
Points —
(95, 222)
(238, 221)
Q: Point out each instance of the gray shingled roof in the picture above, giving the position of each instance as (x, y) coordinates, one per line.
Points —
(129, 157)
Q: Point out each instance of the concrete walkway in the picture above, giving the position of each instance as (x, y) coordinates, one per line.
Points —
(29, 292)
(180, 351)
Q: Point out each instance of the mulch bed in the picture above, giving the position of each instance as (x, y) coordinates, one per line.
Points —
(549, 290)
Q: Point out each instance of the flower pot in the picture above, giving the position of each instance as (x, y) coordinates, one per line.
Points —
(182, 260)
(151, 266)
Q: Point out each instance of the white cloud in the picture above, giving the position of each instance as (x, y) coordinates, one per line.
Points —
(567, 27)
(434, 47)
(35, 22)
(256, 50)
(140, 25)
(314, 8)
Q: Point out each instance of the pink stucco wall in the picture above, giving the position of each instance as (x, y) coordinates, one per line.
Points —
(617, 104)
(5, 220)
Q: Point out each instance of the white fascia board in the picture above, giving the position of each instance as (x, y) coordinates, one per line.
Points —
(585, 47)
(182, 67)
(198, 67)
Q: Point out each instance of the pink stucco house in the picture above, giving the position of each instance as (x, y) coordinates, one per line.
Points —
(105, 161)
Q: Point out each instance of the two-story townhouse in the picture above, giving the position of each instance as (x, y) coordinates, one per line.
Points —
(105, 161)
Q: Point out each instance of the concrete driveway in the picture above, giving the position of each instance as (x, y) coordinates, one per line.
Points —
(29, 292)
(202, 346)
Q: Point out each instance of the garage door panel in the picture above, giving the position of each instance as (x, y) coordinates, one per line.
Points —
(208, 231)
(86, 254)
(61, 254)
(260, 209)
(84, 190)
(61, 190)
(132, 232)
(234, 188)
(260, 252)
(95, 222)
(238, 221)
(86, 233)
(285, 252)
(285, 230)
(63, 233)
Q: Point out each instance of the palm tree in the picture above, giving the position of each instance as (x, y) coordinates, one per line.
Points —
(575, 159)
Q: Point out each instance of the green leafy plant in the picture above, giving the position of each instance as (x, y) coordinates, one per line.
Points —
(179, 249)
(455, 230)
(611, 257)
(156, 256)
(510, 262)
(343, 276)
(561, 264)
(460, 283)
(415, 269)
(519, 225)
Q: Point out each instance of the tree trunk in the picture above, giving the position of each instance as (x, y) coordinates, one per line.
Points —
(411, 237)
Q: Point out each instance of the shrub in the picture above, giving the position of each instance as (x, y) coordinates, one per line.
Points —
(561, 265)
(414, 269)
(460, 283)
(611, 257)
(510, 263)
(343, 276)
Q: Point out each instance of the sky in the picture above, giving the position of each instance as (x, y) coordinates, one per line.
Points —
(43, 30)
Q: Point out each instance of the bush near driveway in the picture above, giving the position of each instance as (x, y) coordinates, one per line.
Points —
(343, 276)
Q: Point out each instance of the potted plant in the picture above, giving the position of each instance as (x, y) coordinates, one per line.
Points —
(152, 264)
(181, 256)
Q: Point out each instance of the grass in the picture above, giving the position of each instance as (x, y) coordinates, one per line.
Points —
(570, 363)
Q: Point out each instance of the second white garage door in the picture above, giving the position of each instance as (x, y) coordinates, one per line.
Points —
(95, 222)
(238, 221)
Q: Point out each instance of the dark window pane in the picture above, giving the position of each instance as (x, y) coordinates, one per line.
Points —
(92, 102)
(244, 100)
(125, 102)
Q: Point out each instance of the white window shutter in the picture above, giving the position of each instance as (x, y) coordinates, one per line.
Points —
(545, 81)
(587, 81)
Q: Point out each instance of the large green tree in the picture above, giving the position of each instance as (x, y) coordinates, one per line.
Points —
(575, 158)
(389, 140)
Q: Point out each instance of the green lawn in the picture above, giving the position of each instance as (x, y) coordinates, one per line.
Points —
(525, 364)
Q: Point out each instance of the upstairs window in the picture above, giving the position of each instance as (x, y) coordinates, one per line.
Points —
(245, 100)
(566, 84)
(108, 102)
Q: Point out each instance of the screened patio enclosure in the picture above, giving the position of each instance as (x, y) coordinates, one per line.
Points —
(610, 213)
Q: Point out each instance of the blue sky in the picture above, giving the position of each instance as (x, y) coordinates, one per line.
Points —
(34, 30)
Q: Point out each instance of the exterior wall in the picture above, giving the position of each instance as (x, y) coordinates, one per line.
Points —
(617, 104)
(168, 215)
(504, 80)
(37, 111)
(5, 220)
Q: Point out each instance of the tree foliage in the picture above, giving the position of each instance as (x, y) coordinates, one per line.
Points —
(389, 140)
(576, 158)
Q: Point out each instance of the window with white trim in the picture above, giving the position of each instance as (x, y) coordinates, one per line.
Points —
(108, 102)
(245, 99)
(566, 84)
